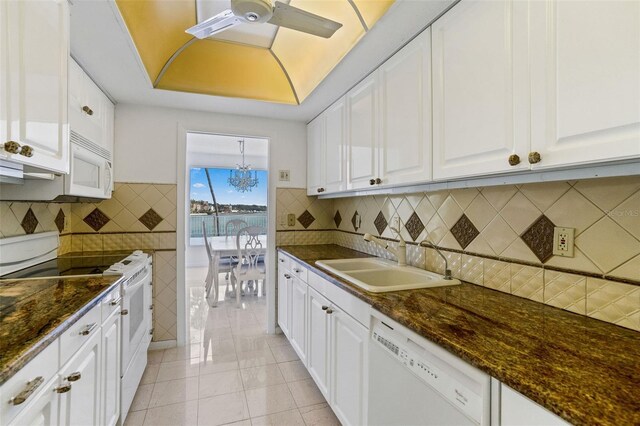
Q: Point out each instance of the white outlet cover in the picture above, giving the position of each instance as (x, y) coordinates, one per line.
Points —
(563, 241)
(284, 175)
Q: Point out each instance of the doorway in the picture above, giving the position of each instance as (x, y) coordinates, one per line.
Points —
(227, 200)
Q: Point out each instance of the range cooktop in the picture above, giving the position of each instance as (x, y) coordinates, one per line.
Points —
(67, 266)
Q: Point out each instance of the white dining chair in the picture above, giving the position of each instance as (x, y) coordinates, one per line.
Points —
(216, 267)
(250, 265)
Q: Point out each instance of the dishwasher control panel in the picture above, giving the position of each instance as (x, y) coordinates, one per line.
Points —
(456, 393)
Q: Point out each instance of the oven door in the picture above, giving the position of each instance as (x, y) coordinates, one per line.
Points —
(89, 174)
(135, 324)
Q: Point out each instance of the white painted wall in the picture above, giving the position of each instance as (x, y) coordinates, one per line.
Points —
(146, 142)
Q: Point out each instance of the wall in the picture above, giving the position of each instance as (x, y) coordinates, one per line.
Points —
(21, 218)
(500, 237)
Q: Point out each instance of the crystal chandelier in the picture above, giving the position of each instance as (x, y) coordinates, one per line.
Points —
(240, 178)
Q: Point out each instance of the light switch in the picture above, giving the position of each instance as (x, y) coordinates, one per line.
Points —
(291, 219)
(284, 175)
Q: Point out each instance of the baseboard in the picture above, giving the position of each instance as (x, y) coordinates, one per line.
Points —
(163, 344)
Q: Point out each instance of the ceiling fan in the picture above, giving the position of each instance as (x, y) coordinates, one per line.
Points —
(261, 11)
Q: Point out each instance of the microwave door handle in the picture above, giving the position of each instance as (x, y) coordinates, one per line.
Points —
(108, 178)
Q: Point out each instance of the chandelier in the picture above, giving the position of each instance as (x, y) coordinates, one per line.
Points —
(241, 178)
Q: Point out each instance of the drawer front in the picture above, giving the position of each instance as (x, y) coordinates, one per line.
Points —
(299, 271)
(283, 261)
(111, 303)
(79, 333)
(27, 383)
(353, 306)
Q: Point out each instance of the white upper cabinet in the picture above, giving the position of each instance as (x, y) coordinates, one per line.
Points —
(362, 136)
(334, 147)
(405, 114)
(480, 87)
(315, 155)
(35, 41)
(585, 90)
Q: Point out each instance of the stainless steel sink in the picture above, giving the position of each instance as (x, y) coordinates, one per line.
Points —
(380, 275)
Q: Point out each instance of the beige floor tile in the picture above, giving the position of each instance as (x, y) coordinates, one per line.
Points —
(216, 347)
(284, 353)
(178, 370)
(135, 418)
(277, 340)
(150, 374)
(258, 377)
(269, 400)
(246, 330)
(221, 333)
(219, 364)
(250, 343)
(155, 357)
(222, 409)
(289, 418)
(185, 413)
(219, 383)
(174, 391)
(293, 371)
(181, 353)
(319, 415)
(240, 423)
(255, 358)
(142, 397)
(305, 392)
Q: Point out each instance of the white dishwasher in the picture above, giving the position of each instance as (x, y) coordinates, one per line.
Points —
(414, 382)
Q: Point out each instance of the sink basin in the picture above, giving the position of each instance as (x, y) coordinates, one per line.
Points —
(380, 275)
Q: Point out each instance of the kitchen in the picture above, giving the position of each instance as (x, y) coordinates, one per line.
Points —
(453, 226)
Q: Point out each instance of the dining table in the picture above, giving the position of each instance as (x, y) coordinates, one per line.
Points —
(227, 246)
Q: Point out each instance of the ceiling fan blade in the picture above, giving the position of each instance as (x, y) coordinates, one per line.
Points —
(214, 25)
(300, 20)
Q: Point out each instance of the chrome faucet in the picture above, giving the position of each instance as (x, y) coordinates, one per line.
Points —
(400, 252)
(427, 243)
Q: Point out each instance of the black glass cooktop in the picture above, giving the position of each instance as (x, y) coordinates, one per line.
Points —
(66, 266)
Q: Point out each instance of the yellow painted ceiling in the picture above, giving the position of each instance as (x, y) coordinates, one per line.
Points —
(287, 72)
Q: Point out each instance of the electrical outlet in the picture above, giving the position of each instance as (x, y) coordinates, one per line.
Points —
(291, 219)
(563, 241)
(284, 175)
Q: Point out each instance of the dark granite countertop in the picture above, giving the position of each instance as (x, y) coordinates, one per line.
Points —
(34, 312)
(584, 370)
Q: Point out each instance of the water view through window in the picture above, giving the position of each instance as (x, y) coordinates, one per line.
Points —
(216, 202)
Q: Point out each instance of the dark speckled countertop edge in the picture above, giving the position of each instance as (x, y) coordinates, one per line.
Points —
(13, 367)
(496, 371)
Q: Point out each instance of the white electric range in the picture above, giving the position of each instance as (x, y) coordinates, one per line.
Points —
(35, 256)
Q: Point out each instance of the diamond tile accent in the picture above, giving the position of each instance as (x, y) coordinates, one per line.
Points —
(337, 219)
(150, 219)
(614, 302)
(353, 220)
(306, 219)
(565, 291)
(96, 219)
(29, 222)
(380, 223)
(59, 221)
(539, 238)
(414, 226)
(497, 275)
(527, 282)
(464, 231)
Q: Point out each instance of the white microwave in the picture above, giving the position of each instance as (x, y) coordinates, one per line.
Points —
(90, 174)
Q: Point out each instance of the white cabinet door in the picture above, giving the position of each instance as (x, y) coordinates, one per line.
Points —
(334, 154)
(480, 88)
(585, 91)
(298, 324)
(110, 370)
(362, 135)
(315, 155)
(38, 51)
(43, 409)
(284, 291)
(517, 410)
(81, 405)
(348, 361)
(5, 134)
(405, 114)
(318, 341)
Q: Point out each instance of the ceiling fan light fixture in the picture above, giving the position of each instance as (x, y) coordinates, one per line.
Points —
(252, 11)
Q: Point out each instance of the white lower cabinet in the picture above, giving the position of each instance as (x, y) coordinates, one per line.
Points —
(284, 298)
(43, 410)
(299, 317)
(80, 405)
(110, 371)
(318, 341)
(518, 410)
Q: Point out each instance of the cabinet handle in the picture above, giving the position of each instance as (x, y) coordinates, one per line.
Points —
(87, 110)
(378, 181)
(514, 159)
(27, 391)
(372, 181)
(281, 260)
(74, 377)
(320, 190)
(26, 151)
(324, 308)
(64, 388)
(534, 157)
(116, 302)
(287, 276)
(151, 307)
(151, 331)
(88, 329)
(329, 311)
(124, 312)
(297, 271)
(12, 147)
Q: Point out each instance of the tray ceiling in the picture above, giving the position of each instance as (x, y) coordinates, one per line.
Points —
(251, 61)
